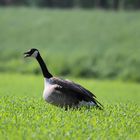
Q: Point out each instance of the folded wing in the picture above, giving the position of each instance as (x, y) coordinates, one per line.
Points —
(75, 90)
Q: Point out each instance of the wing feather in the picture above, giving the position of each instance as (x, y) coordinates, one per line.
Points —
(71, 86)
(80, 92)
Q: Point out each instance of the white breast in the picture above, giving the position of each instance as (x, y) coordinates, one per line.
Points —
(48, 88)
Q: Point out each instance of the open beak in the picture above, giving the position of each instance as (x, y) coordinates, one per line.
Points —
(27, 54)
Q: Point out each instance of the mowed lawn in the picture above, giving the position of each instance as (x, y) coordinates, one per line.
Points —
(25, 115)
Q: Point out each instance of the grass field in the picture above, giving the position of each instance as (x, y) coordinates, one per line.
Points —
(90, 44)
(103, 44)
(25, 115)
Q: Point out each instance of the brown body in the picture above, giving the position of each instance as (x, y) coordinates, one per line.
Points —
(64, 93)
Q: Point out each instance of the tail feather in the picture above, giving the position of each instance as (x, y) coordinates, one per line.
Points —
(98, 104)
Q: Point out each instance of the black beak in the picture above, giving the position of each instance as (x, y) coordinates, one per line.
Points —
(27, 54)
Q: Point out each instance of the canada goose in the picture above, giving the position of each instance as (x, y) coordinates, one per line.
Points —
(63, 93)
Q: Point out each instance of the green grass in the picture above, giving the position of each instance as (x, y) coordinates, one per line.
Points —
(25, 115)
(88, 43)
(99, 44)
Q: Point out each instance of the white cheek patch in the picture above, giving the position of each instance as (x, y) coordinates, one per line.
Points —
(35, 54)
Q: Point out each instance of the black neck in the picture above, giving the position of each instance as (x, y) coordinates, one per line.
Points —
(44, 69)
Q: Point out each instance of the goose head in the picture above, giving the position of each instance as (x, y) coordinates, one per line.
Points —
(31, 53)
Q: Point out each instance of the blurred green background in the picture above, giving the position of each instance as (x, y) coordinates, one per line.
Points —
(99, 43)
